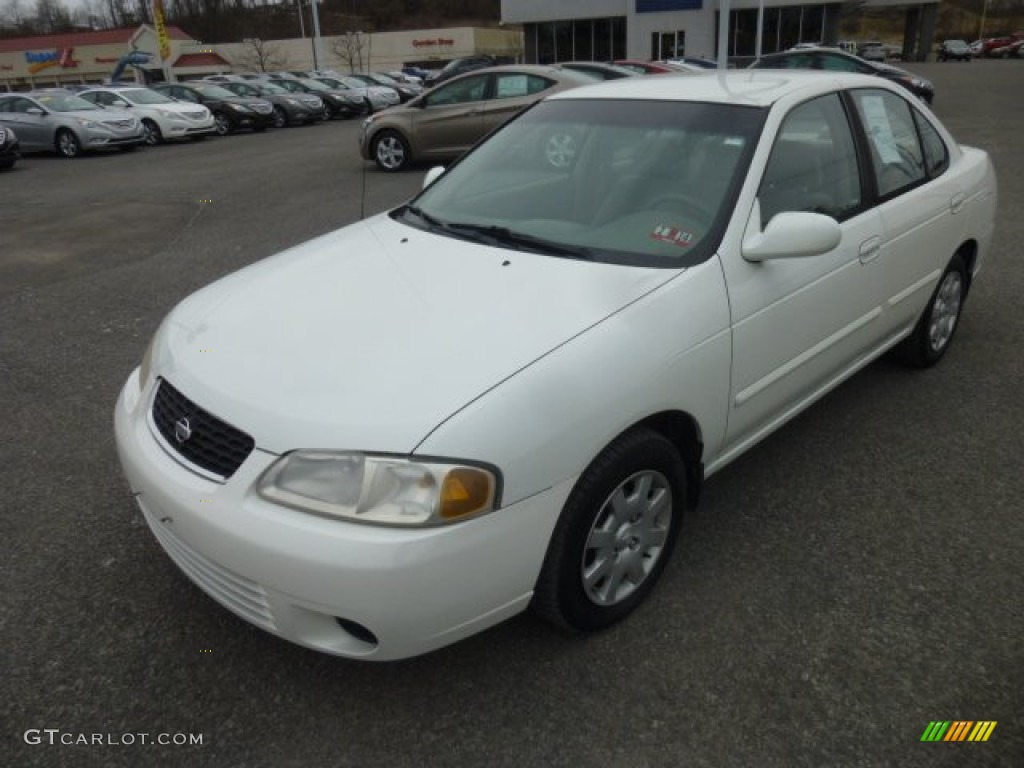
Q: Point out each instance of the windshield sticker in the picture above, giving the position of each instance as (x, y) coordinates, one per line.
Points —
(878, 125)
(672, 235)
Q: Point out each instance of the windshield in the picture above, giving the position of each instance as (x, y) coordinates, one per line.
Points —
(144, 96)
(213, 91)
(386, 79)
(242, 89)
(649, 183)
(351, 82)
(65, 102)
(313, 85)
(269, 88)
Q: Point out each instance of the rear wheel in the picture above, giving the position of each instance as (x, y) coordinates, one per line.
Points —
(615, 534)
(68, 144)
(934, 331)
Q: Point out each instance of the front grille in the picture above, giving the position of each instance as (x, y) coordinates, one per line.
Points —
(197, 435)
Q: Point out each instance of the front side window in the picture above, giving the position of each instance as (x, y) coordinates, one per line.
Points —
(892, 138)
(813, 164)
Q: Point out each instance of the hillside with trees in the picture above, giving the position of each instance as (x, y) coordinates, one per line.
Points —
(220, 21)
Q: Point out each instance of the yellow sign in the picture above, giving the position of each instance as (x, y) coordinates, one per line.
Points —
(161, 29)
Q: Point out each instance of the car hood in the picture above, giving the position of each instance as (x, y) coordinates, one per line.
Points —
(369, 337)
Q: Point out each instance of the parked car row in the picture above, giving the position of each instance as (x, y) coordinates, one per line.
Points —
(835, 60)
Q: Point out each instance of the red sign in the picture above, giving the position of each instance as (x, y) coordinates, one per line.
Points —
(432, 42)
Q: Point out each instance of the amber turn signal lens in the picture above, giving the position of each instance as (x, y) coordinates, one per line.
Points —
(466, 491)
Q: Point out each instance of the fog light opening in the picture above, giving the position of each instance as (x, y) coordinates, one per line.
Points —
(357, 630)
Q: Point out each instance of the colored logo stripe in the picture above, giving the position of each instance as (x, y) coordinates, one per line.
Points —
(958, 730)
(982, 730)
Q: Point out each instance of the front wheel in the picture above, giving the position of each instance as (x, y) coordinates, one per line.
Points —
(68, 144)
(221, 123)
(934, 331)
(615, 534)
(280, 118)
(152, 133)
(391, 151)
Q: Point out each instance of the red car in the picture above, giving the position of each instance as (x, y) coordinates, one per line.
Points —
(996, 46)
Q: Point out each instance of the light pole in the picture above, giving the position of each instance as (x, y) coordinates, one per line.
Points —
(316, 35)
(302, 25)
(981, 27)
(723, 34)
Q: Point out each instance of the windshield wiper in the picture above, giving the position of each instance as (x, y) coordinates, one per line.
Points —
(421, 214)
(495, 235)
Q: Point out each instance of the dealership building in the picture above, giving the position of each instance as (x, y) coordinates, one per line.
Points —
(92, 56)
(601, 30)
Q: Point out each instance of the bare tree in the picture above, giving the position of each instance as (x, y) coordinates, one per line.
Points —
(349, 49)
(52, 17)
(261, 56)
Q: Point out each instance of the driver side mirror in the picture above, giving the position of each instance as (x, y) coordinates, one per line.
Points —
(432, 175)
(791, 234)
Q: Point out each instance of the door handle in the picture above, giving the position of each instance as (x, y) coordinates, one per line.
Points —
(956, 202)
(870, 249)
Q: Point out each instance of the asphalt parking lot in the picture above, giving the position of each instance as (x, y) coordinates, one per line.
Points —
(856, 576)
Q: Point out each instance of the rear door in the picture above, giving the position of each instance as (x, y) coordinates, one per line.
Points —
(920, 202)
(510, 93)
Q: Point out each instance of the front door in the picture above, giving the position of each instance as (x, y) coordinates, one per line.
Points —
(800, 323)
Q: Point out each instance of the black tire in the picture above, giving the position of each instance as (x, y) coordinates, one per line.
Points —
(152, 133)
(259, 128)
(280, 117)
(391, 151)
(222, 124)
(67, 144)
(935, 330)
(595, 550)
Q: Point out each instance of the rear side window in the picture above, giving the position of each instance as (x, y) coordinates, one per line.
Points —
(892, 138)
(936, 154)
(511, 84)
(813, 165)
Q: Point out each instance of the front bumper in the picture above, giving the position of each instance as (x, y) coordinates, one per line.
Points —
(295, 574)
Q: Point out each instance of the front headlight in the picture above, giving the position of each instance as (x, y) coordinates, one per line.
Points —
(86, 123)
(381, 490)
(238, 107)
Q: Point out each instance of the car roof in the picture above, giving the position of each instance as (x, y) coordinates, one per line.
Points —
(750, 87)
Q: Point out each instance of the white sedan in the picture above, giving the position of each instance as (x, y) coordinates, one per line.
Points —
(162, 117)
(505, 393)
